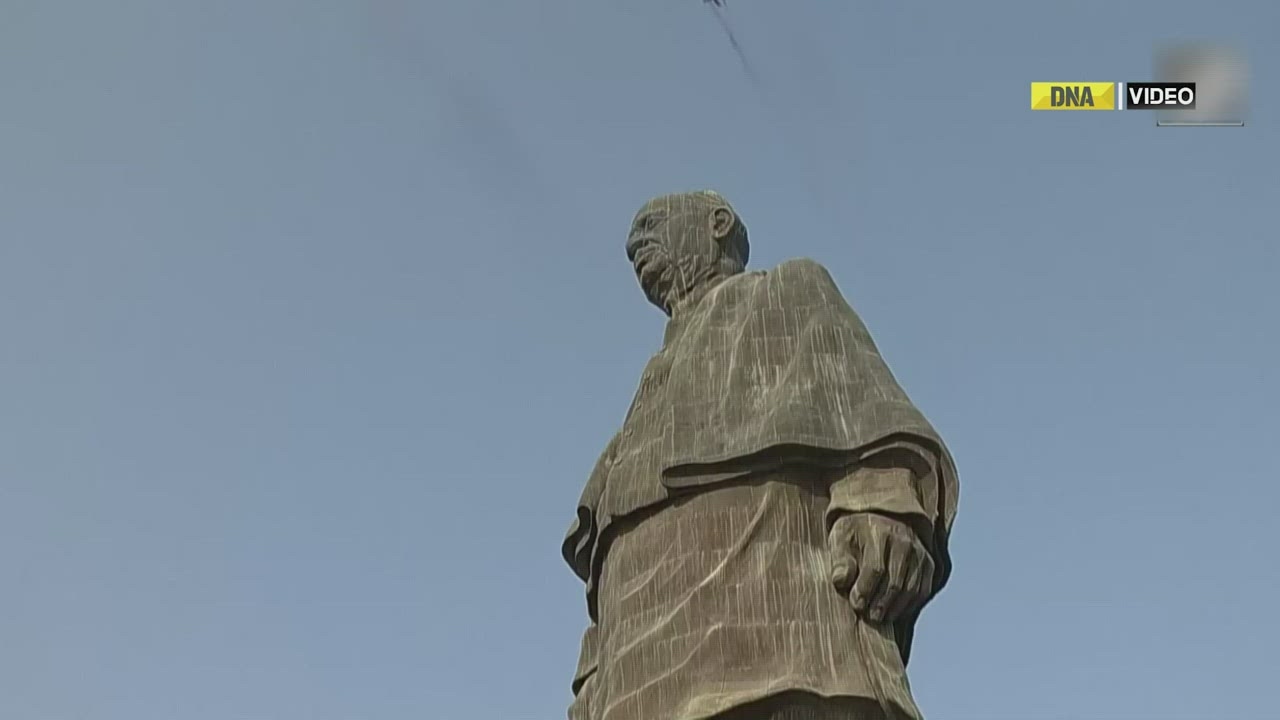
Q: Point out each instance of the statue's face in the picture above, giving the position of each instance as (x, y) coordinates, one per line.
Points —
(677, 241)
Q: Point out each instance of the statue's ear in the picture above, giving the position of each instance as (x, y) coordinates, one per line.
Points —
(722, 220)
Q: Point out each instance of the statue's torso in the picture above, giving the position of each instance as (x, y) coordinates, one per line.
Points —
(766, 359)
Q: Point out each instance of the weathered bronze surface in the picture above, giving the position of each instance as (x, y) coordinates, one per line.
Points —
(759, 538)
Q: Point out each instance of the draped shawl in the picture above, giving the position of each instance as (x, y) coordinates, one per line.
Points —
(770, 367)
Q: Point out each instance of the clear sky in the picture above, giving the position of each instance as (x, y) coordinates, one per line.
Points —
(315, 315)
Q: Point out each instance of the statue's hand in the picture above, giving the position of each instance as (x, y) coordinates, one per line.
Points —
(880, 564)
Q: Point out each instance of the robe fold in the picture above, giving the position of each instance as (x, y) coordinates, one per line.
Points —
(758, 418)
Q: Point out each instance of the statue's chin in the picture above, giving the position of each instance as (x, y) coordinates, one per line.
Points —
(656, 284)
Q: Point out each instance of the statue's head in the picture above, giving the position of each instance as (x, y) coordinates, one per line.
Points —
(682, 244)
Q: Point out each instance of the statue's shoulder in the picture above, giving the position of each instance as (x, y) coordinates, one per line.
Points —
(800, 281)
(800, 266)
(801, 273)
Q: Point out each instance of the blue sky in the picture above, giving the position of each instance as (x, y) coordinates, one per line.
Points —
(316, 315)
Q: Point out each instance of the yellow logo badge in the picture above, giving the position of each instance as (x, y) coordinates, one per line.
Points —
(1073, 96)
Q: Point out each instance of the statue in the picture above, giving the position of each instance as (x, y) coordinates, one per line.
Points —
(759, 538)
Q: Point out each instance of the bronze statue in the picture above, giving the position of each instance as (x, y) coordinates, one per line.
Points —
(759, 538)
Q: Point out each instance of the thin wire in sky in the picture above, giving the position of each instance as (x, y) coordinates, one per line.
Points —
(814, 189)
(718, 9)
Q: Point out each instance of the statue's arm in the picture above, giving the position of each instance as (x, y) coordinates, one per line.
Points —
(892, 481)
(882, 539)
(584, 676)
(579, 543)
(578, 550)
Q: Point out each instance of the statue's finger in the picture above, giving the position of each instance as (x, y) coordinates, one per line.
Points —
(842, 532)
(844, 561)
(843, 572)
(871, 576)
(895, 577)
(909, 597)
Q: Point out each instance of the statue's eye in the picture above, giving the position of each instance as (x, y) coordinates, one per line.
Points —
(648, 222)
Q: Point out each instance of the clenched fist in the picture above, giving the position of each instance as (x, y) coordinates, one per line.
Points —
(880, 564)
